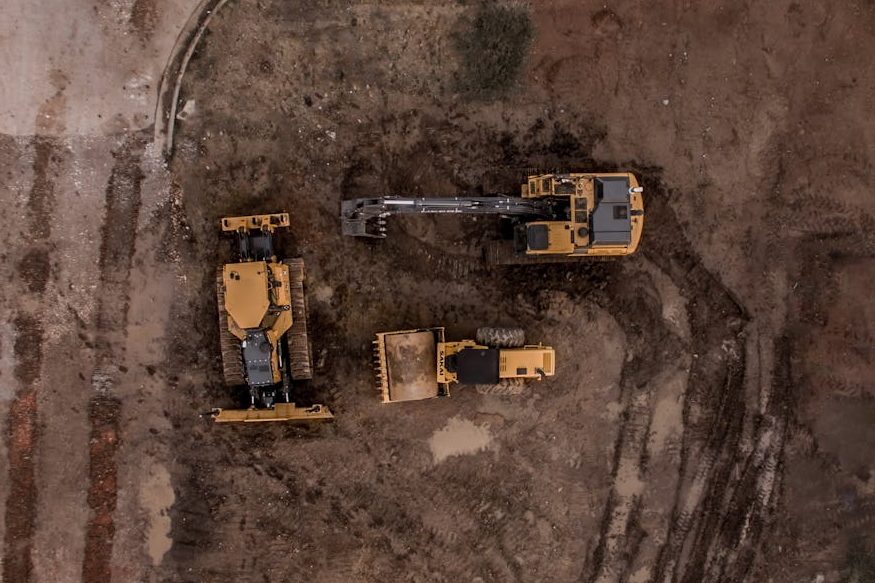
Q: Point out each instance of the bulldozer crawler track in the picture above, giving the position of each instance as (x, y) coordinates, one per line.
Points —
(297, 339)
(232, 356)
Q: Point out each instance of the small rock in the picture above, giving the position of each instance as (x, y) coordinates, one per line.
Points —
(187, 110)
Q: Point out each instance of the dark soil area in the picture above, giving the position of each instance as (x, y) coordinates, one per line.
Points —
(450, 99)
(710, 419)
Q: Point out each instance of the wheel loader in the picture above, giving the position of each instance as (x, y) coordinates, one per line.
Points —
(420, 364)
(556, 217)
(263, 324)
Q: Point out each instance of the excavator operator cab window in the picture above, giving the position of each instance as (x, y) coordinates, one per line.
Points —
(545, 185)
(538, 237)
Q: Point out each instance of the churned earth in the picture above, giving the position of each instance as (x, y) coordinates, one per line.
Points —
(711, 418)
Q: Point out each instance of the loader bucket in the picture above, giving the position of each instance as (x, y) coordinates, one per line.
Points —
(406, 365)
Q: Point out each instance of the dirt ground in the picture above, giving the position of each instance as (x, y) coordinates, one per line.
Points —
(713, 413)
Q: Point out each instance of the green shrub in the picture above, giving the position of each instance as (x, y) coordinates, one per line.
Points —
(493, 46)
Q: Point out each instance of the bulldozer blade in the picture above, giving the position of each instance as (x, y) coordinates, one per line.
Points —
(280, 412)
(297, 340)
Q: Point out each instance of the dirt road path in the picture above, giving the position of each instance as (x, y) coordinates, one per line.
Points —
(70, 120)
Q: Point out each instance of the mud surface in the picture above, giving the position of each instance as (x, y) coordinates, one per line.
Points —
(711, 415)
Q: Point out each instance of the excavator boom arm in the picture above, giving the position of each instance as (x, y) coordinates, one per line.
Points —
(365, 217)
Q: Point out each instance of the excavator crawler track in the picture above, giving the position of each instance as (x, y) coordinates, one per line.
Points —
(232, 356)
(297, 340)
(503, 253)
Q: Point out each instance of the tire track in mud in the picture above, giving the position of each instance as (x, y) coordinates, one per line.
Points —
(118, 237)
(727, 491)
(710, 485)
(22, 436)
(752, 498)
(22, 423)
(819, 260)
(714, 404)
(640, 316)
(742, 495)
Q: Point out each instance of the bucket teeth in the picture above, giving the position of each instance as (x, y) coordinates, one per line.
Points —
(380, 369)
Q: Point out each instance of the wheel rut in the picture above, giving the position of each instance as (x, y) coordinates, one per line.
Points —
(23, 420)
(118, 238)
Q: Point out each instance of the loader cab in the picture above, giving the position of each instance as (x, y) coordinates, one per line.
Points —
(474, 365)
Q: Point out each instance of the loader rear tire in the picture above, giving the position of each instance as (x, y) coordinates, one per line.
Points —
(503, 388)
(232, 351)
(501, 337)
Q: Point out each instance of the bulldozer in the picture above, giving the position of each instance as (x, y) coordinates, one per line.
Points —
(557, 217)
(420, 364)
(263, 324)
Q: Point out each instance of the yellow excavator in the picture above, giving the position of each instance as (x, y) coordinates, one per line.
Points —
(556, 218)
(263, 324)
(420, 364)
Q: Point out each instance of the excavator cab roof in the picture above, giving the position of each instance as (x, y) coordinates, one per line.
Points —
(611, 218)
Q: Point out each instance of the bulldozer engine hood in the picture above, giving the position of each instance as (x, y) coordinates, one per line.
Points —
(247, 296)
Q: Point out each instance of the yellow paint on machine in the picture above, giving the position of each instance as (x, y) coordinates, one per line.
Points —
(280, 412)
